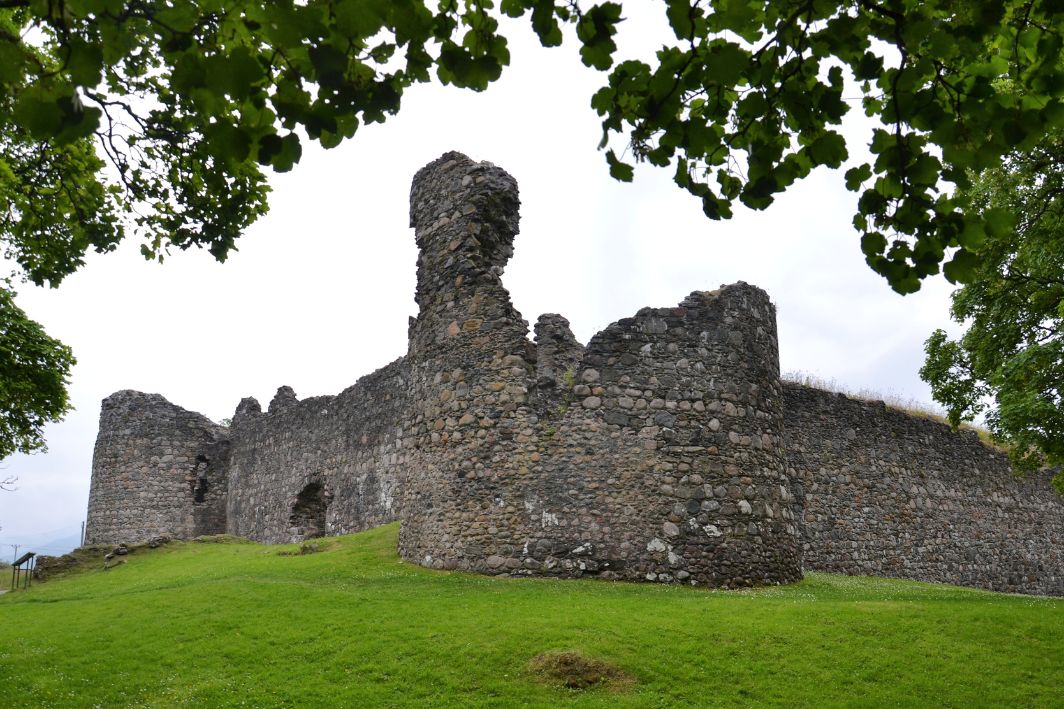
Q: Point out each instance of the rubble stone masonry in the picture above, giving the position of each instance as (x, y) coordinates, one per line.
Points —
(665, 450)
(157, 469)
(883, 493)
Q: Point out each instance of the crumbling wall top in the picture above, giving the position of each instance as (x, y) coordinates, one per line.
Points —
(283, 399)
(465, 216)
(145, 414)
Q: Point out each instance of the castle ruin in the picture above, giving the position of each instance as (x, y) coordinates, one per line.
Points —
(667, 449)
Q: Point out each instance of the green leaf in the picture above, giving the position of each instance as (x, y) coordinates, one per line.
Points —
(12, 63)
(828, 149)
(973, 235)
(873, 243)
(545, 25)
(361, 18)
(38, 112)
(329, 64)
(994, 67)
(679, 13)
(85, 64)
(961, 268)
(79, 121)
(290, 153)
(513, 8)
(856, 176)
(869, 67)
(1000, 222)
(595, 30)
(244, 72)
(727, 62)
(228, 142)
(619, 170)
(189, 73)
(744, 18)
(598, 56)
(270, 146)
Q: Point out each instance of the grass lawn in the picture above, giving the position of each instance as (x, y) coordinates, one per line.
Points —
(234, 624)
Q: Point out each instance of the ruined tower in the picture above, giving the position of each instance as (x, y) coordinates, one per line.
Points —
(156, 469)
(654, 453)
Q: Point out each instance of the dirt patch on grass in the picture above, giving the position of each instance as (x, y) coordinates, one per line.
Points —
(574, 670)
(304, 549)
(221, 539)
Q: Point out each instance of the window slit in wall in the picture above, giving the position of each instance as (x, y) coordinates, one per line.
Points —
(199, 482)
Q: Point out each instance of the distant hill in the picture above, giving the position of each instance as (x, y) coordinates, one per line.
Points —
(61, 545)
(54, 542)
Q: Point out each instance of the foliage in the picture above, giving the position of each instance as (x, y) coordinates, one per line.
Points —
(1013, 349)
(33, 386)
(764, 84)
(159, 117)
(352, 626)
(188, 100)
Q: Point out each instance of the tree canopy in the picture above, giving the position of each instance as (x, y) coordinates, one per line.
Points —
(158, 118)
(1009, 362)
(33, 384)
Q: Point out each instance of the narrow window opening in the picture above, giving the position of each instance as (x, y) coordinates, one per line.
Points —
(198, 481)
(199, 493)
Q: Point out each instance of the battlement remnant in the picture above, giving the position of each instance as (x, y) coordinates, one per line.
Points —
(667, 449)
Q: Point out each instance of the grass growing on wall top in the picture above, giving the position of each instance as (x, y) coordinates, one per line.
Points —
(208, 625)
(891, 399)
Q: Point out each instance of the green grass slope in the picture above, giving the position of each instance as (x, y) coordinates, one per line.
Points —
(230, 624)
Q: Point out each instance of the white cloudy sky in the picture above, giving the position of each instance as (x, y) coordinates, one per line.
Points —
(321, 288)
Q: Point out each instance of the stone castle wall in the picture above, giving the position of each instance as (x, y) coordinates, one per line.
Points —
(156, 469)
(667, 449)
(324, 465)
(888, 494)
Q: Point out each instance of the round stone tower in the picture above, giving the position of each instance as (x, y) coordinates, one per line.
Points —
(718, 507)
(156, 469)
(663, 460)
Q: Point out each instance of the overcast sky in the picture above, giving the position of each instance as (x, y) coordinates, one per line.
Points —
(321, 288)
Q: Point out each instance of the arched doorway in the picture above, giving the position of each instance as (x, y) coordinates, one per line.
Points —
(308, 512)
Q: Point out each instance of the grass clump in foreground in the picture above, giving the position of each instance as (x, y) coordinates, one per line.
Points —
(575, 670)
(224, 624)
